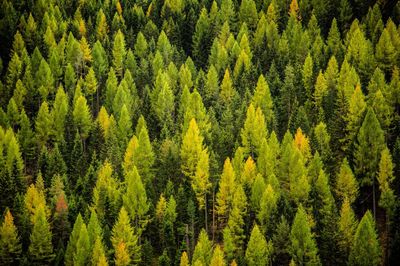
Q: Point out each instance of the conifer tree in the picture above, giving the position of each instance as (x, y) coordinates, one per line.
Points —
(346, 183)
(225, 193)
(258, 251)
(347, 225)
(385, 178)
(41, 248)
(43, 124)
(303, 246)
(119, 52)
(268, 207)
(370, 143)
(203, 250)
(366, 249)
(192, 146)
(73, 240)
(82, 255)
(124, 240)
(10, 246)
(201, 183)
(254, 131)
(59, 113)
(218, 257)
(184, 259)
(135, 199)
(82, 117)
(237, 217)
(262, 98)
(98, 254)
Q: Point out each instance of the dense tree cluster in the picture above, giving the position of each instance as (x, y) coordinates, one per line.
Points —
(199, 132)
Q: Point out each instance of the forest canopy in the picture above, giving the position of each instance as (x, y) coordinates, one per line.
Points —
(199, 132)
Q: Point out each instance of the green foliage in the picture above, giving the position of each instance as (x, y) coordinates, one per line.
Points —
(128, 112)
(370, 143)
(41, 248)
(366, 249)
(10, 246)
(303, 246)
(258, 251)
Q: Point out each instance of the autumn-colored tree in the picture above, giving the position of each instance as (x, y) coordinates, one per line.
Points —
(10, 246)
(124, 240)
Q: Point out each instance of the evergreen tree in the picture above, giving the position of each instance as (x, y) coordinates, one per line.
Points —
(366, 249)
(119, 52)
(346, 184)
(303, 246)
(225, 192)
(254, 131)
(10, 246)
(43, 124)
(203, 251)
(370, 143)
(41, 248)
(192, 146)
(73, 240)
(258, 250)
(135, 199)
(124, 240)
(82, 117)
(347, 227)
(82, 255)
(218, 257)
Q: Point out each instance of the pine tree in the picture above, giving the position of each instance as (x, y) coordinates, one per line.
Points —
(82, 255)
(94, 230)
(122, 257)
(135, 199)
(44, 80)
(366, 249)
(124, 239)
(43, 124)
(203, 250)
(262, 98)
(10, 246)
(59, 113)
(225, 193)
(347, 225)
(41, 248)
(370, 143)
(385, 178)
(268, 208)
(184, 259)
(98, 253)
(218, 257)
(73, 240)
(248, 13)
(303, 246)
(201, 183)
(82, 117)
(385, 52)
(308, 75)
(254, 131)
(258, 251)
(346, 183)
(237, 218)
(119, 53)
(192, 146)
